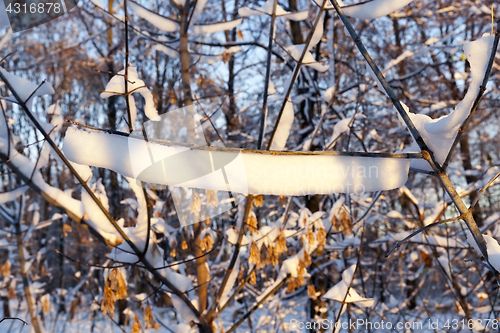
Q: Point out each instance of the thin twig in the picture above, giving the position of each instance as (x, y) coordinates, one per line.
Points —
(296, 70)
(263, 116)
(13, 318)
(232, 263)
(125, 78)
(343, 303)
(480, 94)
(427, 153)
(478, 196)
(256, 306)
(150, 213)
(399, 243)
(84, 184)
(238, 289)
(397, 104)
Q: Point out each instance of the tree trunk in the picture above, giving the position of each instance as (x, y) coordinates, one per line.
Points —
(24, 274)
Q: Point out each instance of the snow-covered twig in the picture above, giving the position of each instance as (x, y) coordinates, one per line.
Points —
(99, 204)
(378, 73)
(480, 94)
(24, 272)
(296, 71)
(220, 291)
(263, 116)
(478, 196)
(428, 154)
(13, 318)
(256, 306)
(261, 152)
(125, 77)
(399, 243)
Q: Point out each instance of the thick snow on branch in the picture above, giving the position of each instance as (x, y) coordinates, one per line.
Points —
(295, 51)
(216, 27)
(225, 54)
(26, 90)
(440, 133)
(369, 10)
(231, 281)
(339, 128)
(169, 51)
(493, 249)
(116, 86)
(284, 126)
(343, 292)
(245, 172)
(159, 21)
(169, 25)
(12, 195)
(267, 9)
(96, 217)
(200, 4)
(24, 166)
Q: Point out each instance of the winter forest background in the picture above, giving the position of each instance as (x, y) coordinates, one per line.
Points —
(408, 87)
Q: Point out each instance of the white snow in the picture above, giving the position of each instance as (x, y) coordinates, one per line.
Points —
(161, 22)
(247, 172)
(284, 126)
(96, 217)
(116, 86)
(296, 51)
(168, 51)
(339, 128)
(493, 249)
(231, 281)
(271, 90)
(394, 214)
(232, 237)
(212, 59)
(57, 120)
(184, 313)
(216, 27)
(200, 4)
(423, 239)
(139, 233)
(440, 133)
(12, 195)
(329, 93)
(343, 292)
(55, 195)
(83, 170)
(25, 88)
(267, 9)
(318, 33)
(369, 10)
(43, 159)
(97, 3)
(179, 2)
(437, 212)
